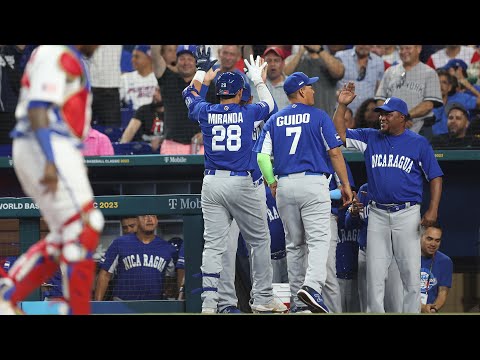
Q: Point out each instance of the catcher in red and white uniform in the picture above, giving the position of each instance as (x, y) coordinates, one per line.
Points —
(53, 116)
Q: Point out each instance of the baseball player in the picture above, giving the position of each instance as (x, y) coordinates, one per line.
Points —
(228, 190)
(436, 272)
(331, 292)
(53, 116)
(142, 261)
(396, 160)
(228, 301)
(301, 137)
(356, 220)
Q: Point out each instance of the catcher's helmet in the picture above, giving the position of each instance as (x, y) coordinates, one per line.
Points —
(229, 83)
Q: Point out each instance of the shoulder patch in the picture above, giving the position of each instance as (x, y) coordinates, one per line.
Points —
(70, 64)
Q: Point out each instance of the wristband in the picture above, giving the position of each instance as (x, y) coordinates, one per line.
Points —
(199, 76)
(43, 137)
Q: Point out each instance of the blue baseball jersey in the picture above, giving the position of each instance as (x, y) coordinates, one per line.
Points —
(227, 131)
(395, 164)
(440, 275)
(347, 248)
(275, 224)
(181, 258)
(296, 135)
(360, 222)
(55, 281)
(141, 268)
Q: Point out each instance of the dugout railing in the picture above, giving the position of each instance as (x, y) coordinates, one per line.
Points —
(187, 206)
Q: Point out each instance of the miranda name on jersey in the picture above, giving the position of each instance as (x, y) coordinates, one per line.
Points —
(229, 118)
(384, 160)
(131, 261)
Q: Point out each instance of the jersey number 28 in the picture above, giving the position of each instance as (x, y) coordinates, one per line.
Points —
(233, 133)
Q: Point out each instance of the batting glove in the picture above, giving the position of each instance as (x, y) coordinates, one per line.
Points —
(254, 70)
(203, 58)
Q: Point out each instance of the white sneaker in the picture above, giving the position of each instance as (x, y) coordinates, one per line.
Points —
(275, 305)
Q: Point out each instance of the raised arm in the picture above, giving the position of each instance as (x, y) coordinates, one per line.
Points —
(159, 64)
(255, 72)
(346, 96)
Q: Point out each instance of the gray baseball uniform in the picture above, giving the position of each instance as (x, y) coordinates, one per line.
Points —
(419, 84)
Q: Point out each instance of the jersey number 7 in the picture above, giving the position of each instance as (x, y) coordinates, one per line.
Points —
(297, 131)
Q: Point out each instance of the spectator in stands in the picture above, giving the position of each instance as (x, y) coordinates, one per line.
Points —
(97, 144)
(275, 58)
(366, 117)
(147, 124)
(228, 57)
(13, 59)
(169, 53)
(139, 86)
(364, 68)
(104, 69)
(414, 82)
(436, 271)
(314, 60)
(441, 57)
(126, 59)
(179, 131)
(457, 124)
(142, 260)
(448, 87)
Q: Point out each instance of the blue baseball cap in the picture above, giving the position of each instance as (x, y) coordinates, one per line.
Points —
(394, 104)
(190, 49)
(229, 83)
(144, 48)
(296, 81)
(455, 63)
(247, 92)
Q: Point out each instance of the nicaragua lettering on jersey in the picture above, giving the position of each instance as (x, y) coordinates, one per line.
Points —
(296, 135)
(275, 224)
(227, 131)
(441, 275)
(347, 248)
(63, 84)
(396, 165)
(141, 268)
(275, 227)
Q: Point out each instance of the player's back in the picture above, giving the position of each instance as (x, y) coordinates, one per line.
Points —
(227, 133)
(55, 75)
(297, 135)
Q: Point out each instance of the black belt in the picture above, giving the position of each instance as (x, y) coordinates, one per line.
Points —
(393, 207)
(232, 173)
(279, 255)
(306, 173)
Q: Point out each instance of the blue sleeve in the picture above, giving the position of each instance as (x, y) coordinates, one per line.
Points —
(110, 256)
(204, 91)
(181, 258)
(329, 133)
(445, 278)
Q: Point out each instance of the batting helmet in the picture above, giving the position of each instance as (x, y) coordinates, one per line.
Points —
(247, 92)
(229, 83)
